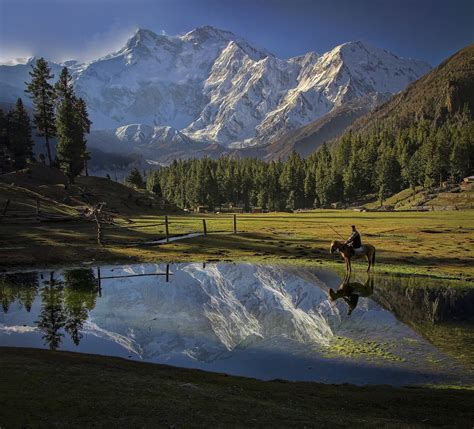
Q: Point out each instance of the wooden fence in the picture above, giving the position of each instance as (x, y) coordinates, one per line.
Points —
(14, 214)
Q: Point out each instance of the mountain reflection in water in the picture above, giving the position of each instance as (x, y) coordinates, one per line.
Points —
(244, 319)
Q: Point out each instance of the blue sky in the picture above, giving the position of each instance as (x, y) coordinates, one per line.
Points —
(430, 30)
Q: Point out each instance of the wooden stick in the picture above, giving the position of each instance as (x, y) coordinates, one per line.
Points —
(6, 207)
(167, 232)
(204, 226)
(235, 224)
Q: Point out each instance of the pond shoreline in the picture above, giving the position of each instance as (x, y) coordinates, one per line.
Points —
(175, 396)
(324, 334)
(358, 267)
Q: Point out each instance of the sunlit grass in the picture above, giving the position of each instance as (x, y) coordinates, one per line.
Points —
(436, 243)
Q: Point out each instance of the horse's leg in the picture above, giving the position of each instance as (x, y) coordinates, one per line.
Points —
(368, 260)
(350, 267)
(346, 278)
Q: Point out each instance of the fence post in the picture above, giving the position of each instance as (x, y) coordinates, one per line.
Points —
(235, 224)
(99, 283)
(204, 226)
(167, 232)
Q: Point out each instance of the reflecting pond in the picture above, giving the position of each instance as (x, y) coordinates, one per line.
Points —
(254, 320)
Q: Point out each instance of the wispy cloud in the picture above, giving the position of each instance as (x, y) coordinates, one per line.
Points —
(102, 43)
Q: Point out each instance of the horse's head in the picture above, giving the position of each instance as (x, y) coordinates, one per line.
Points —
(335, 246)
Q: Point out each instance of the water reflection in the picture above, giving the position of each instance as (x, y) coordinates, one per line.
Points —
(351, 291)
(21, 287)
(65, 303)
(261, 321)
(52, 317)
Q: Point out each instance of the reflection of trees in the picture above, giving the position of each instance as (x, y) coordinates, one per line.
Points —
(66, 305)
(79, 298)
(52, 317)
(440, 310)
(22, 287)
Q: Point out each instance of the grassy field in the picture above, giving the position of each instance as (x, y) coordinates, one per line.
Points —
(437, 243)
(40, 388)
(59, 389)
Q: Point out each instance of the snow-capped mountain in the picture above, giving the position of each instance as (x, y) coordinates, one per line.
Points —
(216, 87)
(155, 144)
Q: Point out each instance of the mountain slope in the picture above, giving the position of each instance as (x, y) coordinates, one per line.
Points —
(307, 139)
(156, 144)
(434, 97)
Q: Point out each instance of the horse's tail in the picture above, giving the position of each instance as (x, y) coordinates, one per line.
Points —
(373, 258)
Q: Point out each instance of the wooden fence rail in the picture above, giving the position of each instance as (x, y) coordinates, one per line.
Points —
(100, 217)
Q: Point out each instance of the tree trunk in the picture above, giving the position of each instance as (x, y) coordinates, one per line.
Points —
(48, 150)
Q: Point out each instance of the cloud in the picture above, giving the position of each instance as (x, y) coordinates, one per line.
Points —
(13, 56)
(103, 43)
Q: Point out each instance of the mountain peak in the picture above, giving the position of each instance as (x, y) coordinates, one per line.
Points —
(207, 32)
(142, 35)
(355, 46)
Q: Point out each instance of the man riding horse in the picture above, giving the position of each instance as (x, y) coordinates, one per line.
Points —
(353, 247)
(354, 242)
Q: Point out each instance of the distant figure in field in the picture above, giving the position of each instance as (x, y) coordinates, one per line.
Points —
(354, 241)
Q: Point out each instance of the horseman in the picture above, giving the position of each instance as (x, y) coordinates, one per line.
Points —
(354, 242)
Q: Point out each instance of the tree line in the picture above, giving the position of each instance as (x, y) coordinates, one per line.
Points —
(57, 113)
(379, 162)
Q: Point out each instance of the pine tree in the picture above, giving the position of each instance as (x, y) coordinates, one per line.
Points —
(459, 160)
(388, 173)
(20, 142)
(71, 127)
(273, 186)
(3, 129)
(63, 87)
(42, 94)
(153, 183)
(70, 149)
(432, 161)
(324, 177)
(292, 181)
(135, 179)
(85, 127)
(413, 172)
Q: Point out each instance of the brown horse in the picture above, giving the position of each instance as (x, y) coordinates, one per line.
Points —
(366, 250)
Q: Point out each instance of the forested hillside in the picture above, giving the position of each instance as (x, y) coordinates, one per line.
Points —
(423, 136)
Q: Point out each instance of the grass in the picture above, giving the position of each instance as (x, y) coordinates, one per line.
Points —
(350, 348)
(462, 198)
(434, 243)
(40, 388)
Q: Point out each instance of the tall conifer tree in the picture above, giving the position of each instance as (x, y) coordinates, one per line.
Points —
(42, 94)
(70, 128)
(20, 142)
